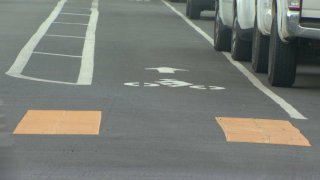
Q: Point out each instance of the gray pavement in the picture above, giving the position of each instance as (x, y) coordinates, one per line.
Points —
(158, 133)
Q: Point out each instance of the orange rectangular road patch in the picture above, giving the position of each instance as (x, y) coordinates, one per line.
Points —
(261, 131)
(56, 122)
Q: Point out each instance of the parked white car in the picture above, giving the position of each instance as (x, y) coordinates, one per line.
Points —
(234, 26)
(284, 30)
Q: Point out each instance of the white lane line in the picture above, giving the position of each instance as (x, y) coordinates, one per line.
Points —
(69, 23)
(63, 36)
(293, 113)
(77, 8)
(26, 52)
(87, 63)
(20, 76)
(53, 54)
(75, 14)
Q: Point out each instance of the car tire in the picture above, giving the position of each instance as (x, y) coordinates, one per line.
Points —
(240, 49)
(221, 34)
(260, 50)
(188, 8)
(282, 59)
(194, 10)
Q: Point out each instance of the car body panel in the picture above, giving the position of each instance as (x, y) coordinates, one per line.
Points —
(245, 11)
(288, 20)
(310, 9)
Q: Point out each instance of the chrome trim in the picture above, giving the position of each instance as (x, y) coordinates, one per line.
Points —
(294, 28)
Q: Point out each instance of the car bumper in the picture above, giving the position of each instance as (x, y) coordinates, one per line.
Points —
(297, 29)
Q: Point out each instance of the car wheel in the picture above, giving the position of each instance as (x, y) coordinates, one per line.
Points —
(240, 49)
(194, 11)
(260, 50)
(282, 59)
(188, 8)
(221, 34)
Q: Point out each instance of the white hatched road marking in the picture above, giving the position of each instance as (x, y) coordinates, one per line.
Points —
(75, 14)
(54, 54)
(63, 36)
(293, 113)
(70, 23)
(87, 61)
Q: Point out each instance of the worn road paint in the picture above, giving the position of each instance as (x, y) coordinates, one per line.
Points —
(53, 54)
(166, 70)
(54, 122)
(75, 14)
(200, 87)
(87, 63)
(150, 85)
(70, 23)
(173, 83)
(134, 84)
(292, 112)
(64, 36)
(265, 131)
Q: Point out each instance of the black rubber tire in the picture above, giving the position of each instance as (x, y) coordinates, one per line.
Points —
(188, 8)
(221, 34)
(260, 50)
(194, 11)
(240, 49)
(282, 59)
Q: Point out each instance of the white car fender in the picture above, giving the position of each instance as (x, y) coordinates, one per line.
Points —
(264, 16)
(246, 13)
(282, 9)
(226, 12)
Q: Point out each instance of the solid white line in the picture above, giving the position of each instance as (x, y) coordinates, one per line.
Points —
(293, 113)
(53, 54)
(68, 23)
(20, 76)
(63, 36)
(87, 63)
(26, 52)
(76, 8)
(75, 14)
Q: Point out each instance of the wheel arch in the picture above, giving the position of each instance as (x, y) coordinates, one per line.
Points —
(279, 8)
(246, 13)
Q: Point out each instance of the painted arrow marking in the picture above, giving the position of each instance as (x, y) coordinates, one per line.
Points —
(166, 70)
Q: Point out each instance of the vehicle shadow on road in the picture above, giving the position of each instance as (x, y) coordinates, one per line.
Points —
(207, 18)
(308, 77)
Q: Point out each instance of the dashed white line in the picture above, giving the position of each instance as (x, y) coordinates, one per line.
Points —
(293, 113)
(53, 54)
(64, 36)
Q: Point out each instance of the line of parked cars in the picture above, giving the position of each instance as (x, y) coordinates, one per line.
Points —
(273, 34)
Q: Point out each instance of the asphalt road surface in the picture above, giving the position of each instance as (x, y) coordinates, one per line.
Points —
(158, 84)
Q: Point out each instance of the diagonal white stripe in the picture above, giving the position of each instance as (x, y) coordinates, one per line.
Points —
(87, 63)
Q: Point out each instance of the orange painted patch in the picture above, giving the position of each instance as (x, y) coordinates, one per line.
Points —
(60, 122)
(261, 131)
